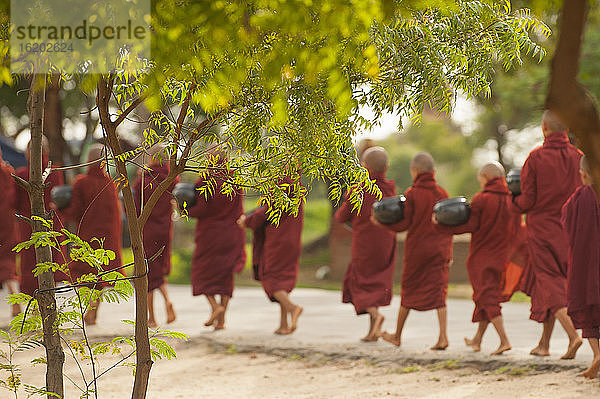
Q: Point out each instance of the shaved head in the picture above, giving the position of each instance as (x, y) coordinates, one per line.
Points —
(96, 152)
(584, 165)
(375, 159)
(364, 145)
(422, 162)
(551, 123)
(492, 170)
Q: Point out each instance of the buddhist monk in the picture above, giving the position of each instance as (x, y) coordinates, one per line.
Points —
(158, 230)
(96, 210)
(368, 282)
(279, 260)
(27, 281)
(8, 232)
(220, 243)
(493, 225)
(581, 220)
(548, 178)
(427, 252)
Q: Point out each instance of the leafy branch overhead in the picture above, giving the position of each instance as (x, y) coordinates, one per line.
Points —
(285, 81)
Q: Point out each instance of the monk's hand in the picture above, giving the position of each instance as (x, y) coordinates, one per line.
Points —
(433, 219)
(375, 222)
(242, 221)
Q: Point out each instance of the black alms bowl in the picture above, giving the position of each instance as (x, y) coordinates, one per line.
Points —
(61, 196)
(452, 211)
(513, 179)
(389, 210)
(185, 192)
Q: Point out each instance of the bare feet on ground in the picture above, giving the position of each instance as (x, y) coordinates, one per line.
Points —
(502, 348)
(476, 346)
(386, 336)
(540, 351)
(572, 350)
(151, 323)
(592, 371)
(441, 345)
(220, 322)
(171, 315)
(283, 331)
(219, 310)
(295, 315)
(375, 332)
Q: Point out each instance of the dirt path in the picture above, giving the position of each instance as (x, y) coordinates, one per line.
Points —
(204, 370)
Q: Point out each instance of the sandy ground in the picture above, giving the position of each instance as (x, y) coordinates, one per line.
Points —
(204, 370)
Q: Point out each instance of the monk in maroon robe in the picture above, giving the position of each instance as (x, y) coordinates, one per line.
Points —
(220, 244)
(581, 220)
(278, 260)
(96, 210)
(369, 279)
(28, 283)
(493, 225)
(8, 232)
(427, 252)
(548, 178)
(158, 230)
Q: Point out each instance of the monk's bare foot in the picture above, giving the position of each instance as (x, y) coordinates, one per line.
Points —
(295, 315)
(151, 323)
(476, 346)
(220, 322)
(592, 371)
(219, 327)
(283, 331)
(219, 310)
(441, 345)
(171, 315)
(572, 350)
(540, 351)
(502, 348)
(376, 332)
(386, 336)
(15, 309)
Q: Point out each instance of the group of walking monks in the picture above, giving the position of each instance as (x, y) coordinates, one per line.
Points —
(558, 245)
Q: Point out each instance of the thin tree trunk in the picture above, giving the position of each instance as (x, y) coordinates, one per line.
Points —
(566, 97)
(46, 300)
(143, 356)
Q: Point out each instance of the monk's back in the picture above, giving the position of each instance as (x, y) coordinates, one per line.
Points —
(555, 166)
(422, 240)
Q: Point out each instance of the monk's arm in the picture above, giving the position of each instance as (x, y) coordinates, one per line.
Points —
(256, 219)
(344, 212)
(526, 200)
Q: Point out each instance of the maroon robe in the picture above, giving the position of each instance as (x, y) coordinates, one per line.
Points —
(8, 232)
(581, 220)
(369, 279)
(493, 225)
(279, 255)
(96, 210)
(548, 178)
(28, 283)
(219, 240)
(427, 252)
(158, 230)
